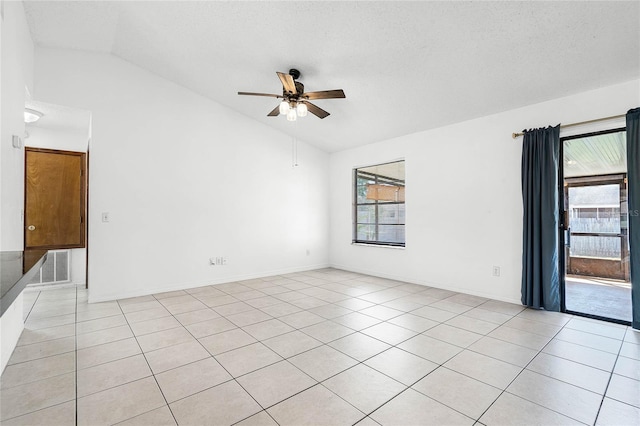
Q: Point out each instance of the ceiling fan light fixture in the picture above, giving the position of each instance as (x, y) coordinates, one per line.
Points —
(284, 107)
(294, 100)
(31, 115)
(301, 109)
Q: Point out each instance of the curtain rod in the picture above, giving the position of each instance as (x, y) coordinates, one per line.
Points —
(515, 135)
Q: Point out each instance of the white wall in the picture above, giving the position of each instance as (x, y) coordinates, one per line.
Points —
(60, 139)
(464, 205)
(78, 272)
(11, 326)
(15, 79)
(184, 179)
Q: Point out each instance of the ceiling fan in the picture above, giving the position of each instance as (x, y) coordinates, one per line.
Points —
(295, 102)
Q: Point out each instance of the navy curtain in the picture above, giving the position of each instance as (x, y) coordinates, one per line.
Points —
(540, 268)
(633, 179)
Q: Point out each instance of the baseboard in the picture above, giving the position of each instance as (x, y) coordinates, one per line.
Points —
(195, 284)
(52, 286)
(410, 280)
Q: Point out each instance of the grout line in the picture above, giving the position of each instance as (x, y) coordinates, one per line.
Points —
(258, 341)
(38, 410)
(149, 366)
(32, 305)
(227, 381)
(604, 394)
(518, 375)
(223, 367)
(426, 396)
(311, 288)
(75, 355)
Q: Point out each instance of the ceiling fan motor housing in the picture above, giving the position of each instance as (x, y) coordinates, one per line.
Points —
(294, 73)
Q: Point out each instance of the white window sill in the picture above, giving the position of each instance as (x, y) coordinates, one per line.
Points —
(378, 245)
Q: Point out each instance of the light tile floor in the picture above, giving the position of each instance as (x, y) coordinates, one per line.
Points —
(324, 347)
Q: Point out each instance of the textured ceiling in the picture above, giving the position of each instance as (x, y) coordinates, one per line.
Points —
(404, 66)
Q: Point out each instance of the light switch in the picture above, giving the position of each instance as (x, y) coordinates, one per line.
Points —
(16, 141)
(105, 216)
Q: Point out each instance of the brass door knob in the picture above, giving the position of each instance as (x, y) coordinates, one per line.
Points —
(31, 228)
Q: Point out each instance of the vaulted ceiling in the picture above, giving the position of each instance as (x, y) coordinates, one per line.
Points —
(404, 66)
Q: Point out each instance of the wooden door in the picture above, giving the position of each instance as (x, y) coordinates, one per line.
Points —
(55, 199)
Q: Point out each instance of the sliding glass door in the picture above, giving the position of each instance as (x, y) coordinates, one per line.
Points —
(595, 226)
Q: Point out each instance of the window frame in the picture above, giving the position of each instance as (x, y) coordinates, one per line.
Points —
(377, 179)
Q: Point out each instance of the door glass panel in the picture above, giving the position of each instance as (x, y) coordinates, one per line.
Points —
(602, 247)
(595, 209)
(596, 253)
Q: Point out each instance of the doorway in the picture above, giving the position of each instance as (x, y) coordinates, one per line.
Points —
(596, 280)
(67, 130)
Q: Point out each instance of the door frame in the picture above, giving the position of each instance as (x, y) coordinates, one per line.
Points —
(562, 226)
(86, 221)
(83, 193)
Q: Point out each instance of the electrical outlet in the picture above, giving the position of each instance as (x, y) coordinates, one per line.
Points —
(218, 261)
(496, 271)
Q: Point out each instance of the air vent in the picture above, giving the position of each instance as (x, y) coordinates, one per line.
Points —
(55, 270)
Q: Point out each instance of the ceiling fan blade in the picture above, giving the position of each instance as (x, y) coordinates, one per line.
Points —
(316, 110)
(274, 112)
(287, 83)
(325, 94)
(259, 94)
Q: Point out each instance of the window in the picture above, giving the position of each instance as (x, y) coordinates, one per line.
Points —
(379, 193)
